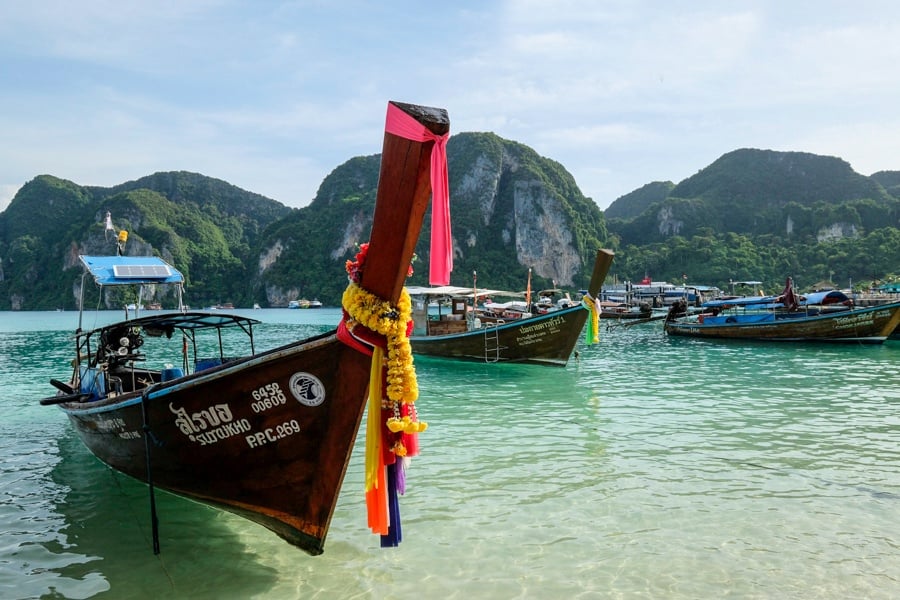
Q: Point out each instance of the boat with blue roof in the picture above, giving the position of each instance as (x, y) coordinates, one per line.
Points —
(826, 316)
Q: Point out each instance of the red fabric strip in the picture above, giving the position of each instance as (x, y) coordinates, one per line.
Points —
(401, 124)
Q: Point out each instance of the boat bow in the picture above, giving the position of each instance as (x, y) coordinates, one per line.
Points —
(267, 435)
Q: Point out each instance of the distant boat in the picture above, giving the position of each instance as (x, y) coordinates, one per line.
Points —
(302, 303)
(511, 336)
(315, 303)
(657, 294)
(828, 316)
(264, 434)
(621, 310)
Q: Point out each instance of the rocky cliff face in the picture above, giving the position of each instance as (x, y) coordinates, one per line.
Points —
(668, 224)
(536, 225)
(543, 233)
(837, 231)
(511, 210)
(504, 195)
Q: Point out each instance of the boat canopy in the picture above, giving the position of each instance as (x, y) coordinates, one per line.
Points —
(457, 291)
(192, 321)
(131, 270)
(160, 324)
(773, 302)
(825, 297)
(755, 301)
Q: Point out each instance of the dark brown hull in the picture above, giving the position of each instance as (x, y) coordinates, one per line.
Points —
(547, 339)
(216, 439)
(871, 325)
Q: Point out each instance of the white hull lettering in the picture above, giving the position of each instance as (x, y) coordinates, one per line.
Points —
(220, 433)
(115, 424)
(272, 434)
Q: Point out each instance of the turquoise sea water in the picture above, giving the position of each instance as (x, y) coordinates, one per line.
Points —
(647, 468)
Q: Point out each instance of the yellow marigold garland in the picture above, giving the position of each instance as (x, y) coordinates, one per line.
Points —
(378, 315)
(406, 425)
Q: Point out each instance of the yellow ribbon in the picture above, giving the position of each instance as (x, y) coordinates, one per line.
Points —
(592, 332)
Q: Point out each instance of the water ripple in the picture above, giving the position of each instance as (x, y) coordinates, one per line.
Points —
(648, 467)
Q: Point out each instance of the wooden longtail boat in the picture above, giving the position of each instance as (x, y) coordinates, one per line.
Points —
(267, 435)
(621, 310)
(786, 317)
(541, 339)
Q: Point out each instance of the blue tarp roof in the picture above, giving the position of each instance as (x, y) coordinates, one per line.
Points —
(770, 302)
(826, 297)
(131, 270)
(758, 301)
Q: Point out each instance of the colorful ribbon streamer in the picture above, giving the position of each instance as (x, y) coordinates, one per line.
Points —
(376, 486)
(592, 331)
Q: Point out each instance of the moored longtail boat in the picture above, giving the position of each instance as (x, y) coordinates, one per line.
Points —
(267, 435)
(540, 339)
(785, 318)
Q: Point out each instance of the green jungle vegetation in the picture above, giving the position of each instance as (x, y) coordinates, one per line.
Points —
(750, 215)
(763, 215)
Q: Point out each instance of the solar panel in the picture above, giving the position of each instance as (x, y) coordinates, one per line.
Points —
(141, 271)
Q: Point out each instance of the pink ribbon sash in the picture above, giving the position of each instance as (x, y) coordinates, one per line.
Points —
(401, 124)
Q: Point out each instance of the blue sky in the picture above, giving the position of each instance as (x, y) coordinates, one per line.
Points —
(272, 96)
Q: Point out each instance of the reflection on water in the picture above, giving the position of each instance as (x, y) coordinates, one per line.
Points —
(107, 518)
(647, 467)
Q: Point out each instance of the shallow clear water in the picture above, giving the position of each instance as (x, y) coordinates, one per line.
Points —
(648, 467)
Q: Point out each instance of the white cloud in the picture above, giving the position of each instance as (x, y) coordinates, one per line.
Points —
(273, 96)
